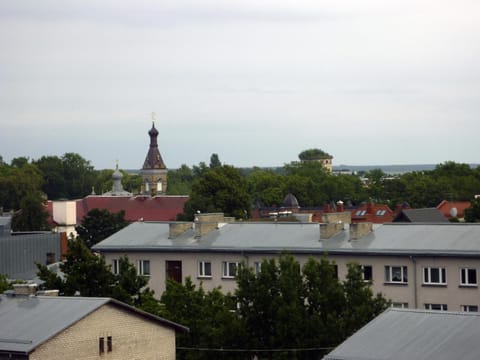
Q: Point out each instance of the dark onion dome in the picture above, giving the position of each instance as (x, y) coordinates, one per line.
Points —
(290, 201)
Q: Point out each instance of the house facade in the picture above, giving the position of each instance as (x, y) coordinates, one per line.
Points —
(52, 327)
(427, 266)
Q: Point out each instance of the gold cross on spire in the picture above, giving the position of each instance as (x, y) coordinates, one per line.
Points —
(153, 117)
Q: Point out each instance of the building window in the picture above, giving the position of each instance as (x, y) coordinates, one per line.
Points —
(434, 276)
(469, 308)
(159, 186)
(143, 267)
(115, 267)
(205, 269)
(367, 272)
(468, 277)
(438, 307)
(400, 305)
(109, 344)
(396, 274)
(229, 269)
(381, 212)
(257, 267)
(101, 345)
(361, 212)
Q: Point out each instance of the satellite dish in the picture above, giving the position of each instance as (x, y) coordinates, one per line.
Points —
(454, 212)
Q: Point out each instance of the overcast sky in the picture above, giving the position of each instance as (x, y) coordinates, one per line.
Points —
(255, 81)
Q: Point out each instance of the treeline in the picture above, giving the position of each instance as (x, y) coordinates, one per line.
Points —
(219, 187)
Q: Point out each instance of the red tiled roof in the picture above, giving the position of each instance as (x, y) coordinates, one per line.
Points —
(157, 208)
(374, 213)
(446, 206)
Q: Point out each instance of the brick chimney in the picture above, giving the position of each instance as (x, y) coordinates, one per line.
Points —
(340, 207)
(206, 223)
(327, 230)
(24, 289)
(358, 230)
(178, 228)
(370, 207)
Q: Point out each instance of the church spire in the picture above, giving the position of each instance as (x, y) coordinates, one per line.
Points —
(154, 170)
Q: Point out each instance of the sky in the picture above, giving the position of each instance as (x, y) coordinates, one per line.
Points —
(254, 81)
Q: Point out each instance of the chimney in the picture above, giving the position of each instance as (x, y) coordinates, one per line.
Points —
(370, 207)
(24, 289)
(206, 223)
(47, 293)
(340, 206)
(358, 230)
(203, 228)
(178, 228)
(327, 230)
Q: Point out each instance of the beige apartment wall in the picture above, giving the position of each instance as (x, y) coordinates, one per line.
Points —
(414, 293)
(133, 337)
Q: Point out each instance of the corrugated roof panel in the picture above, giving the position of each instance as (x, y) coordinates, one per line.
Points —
(414, 334)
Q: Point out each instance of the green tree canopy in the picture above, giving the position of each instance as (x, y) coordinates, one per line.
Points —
(32, 215)
(314, 154)
(88, 274)
(98, 224)
(221, 189)
(472, 214)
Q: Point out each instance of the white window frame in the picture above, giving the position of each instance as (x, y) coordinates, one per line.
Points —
(465, 277)
(205, 269)
(257, 267)
(436, 307)
(469, 308)
(389, 274)
(400, 305)
(427, 276)
(115, 266)
(143, 267)
(227, 270)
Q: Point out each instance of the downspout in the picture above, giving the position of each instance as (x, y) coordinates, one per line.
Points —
(415, 295)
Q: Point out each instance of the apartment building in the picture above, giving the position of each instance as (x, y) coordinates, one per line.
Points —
(425, 266)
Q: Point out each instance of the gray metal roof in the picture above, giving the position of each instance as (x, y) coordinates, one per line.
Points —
(19, 253)
(447, 239)
(27, 322)
(414, 334)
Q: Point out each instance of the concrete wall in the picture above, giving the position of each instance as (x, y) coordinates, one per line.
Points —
(133, 337)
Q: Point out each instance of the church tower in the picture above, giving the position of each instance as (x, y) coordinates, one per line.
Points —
(154, 172)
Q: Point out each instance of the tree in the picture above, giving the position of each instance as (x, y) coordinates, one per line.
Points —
(98, 224)
(85, 273)
(314, 154)
(54, 181)
(32, 215)
(285, 308)
(20, 162)
(4, 283)
(221, 189)
(266, 187)
(271, 304)
(180, 181)
(88, 274)
(79, 175)
(472, 214)
(361, 306)
(209, 317)
(214, 161)
(18, 182)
